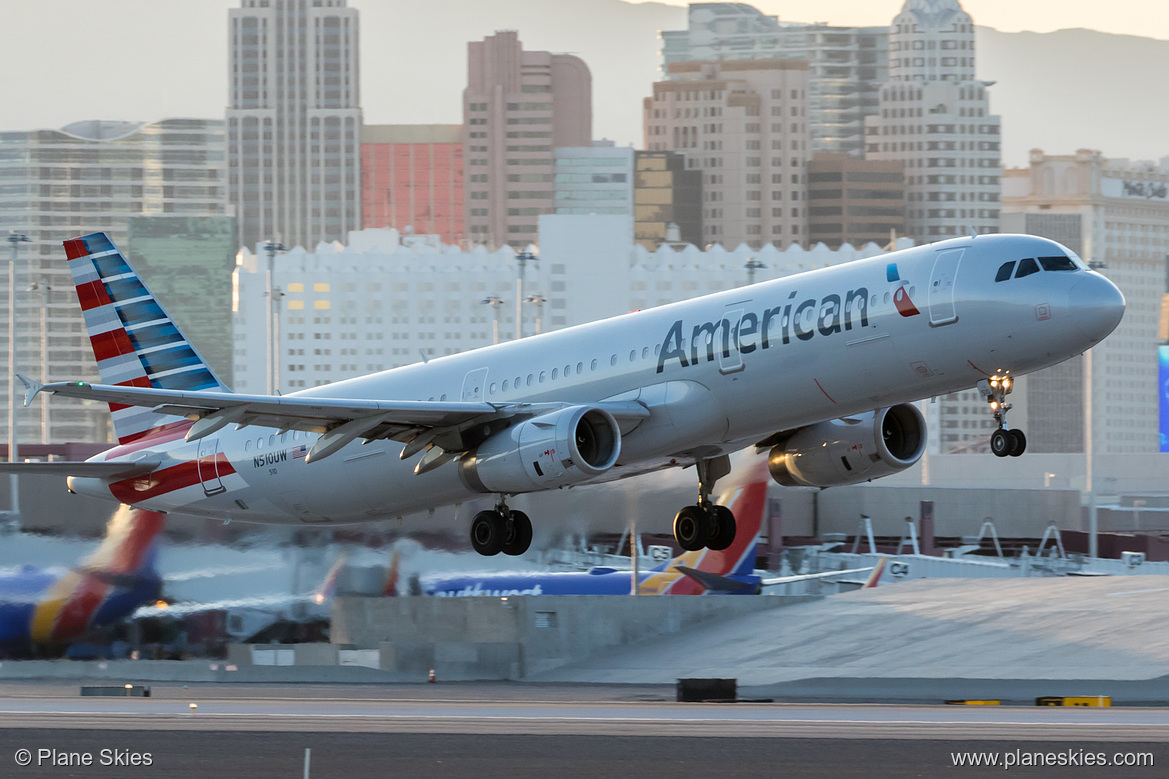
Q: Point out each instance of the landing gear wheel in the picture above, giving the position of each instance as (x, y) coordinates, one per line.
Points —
(722, 528)
(1018, 442)
(488, 533)
(692, 528)
(1000, 443)
(518, 534)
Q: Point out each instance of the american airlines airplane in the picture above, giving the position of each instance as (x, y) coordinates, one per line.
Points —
(820, 369)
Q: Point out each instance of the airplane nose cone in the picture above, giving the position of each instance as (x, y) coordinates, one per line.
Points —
(1097, 306)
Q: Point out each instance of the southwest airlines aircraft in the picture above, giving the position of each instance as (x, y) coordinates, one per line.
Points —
(729, 571)
(45, 606)
(820, 369)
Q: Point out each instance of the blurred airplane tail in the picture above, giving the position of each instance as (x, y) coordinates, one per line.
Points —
(329, 586)
(123, 567)
(875, 576)
(392, 577)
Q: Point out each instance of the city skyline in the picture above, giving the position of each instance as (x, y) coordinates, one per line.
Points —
(185, 44)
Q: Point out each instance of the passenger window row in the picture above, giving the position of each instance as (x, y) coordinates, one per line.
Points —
(569, 370)
(1029, 266)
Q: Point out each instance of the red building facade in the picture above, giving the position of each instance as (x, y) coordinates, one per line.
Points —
(412, 176)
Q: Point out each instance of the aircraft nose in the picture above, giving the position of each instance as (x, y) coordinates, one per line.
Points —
(1097, 306)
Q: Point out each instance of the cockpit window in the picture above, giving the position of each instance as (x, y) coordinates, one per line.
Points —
(1005, 271)
(1026, 268)
(1057, 263)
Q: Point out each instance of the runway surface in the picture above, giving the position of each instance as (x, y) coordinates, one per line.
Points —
(355, 755)
(500, 730)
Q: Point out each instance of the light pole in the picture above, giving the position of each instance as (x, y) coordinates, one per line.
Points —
(752, 266)
(271, 247)
(16, 239)
(495, 302)
(1089, 480)
(45, 289)
(522, 259)
(539, 301)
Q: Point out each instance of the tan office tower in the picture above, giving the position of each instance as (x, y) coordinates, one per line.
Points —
(744, 124)
(935, 118)
(517, 108)
(294, 121)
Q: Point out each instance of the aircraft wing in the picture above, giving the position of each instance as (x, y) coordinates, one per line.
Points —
(437, 426)
(101, 470)
(806, 576)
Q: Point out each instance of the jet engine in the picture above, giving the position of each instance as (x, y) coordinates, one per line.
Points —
(851, 450)
(552, 450)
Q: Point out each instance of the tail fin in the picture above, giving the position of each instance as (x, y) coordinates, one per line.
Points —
(392, 576)
(875, 576)
(135, 342)
(747, 502)
(124, 562)
(329, 585)
(129, 545)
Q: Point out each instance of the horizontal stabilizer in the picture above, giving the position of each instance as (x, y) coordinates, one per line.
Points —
(712, 581)
(109, 470)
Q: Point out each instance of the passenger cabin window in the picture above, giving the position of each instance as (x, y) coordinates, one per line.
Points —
(1026, 268)
(1057, 263)
(1005, 271)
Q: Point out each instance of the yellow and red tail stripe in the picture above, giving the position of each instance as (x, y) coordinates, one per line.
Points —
(74, 600)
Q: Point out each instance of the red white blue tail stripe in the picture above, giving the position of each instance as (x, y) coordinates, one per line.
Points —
(135, 342)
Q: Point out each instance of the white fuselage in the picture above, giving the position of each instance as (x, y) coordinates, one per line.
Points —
(784, 354)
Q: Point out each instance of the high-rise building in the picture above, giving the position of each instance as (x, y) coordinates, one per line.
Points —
(187, 262)
(744, 124)
(87, 177)
(517, 108)
(854, 201)
(595, 179)
(412, 177)
(935, 118)
(667, 196)
(847, 64)
(294, 121)
(1115, 214)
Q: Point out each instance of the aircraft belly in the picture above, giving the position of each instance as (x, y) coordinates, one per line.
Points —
(681, 413)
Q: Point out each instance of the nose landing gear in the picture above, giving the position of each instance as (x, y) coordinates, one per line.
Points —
(706, 524)
(1004, 442)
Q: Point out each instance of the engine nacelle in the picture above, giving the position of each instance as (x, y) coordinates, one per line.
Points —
(849, 451)
(552, 450)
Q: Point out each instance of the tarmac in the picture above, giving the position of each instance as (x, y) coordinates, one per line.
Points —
(536, 730)
(1089, 629)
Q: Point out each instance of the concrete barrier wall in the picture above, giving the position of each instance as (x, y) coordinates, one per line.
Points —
(495, 638)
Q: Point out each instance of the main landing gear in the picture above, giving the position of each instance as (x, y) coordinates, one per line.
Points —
(501, 530)
(1003, 442)
(706, 524)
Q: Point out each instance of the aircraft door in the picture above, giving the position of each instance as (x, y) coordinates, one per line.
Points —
(730, 359)
(941, 293)
(208, 466)
(474, 385)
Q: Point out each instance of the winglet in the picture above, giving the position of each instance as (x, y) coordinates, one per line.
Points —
(32, 387)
